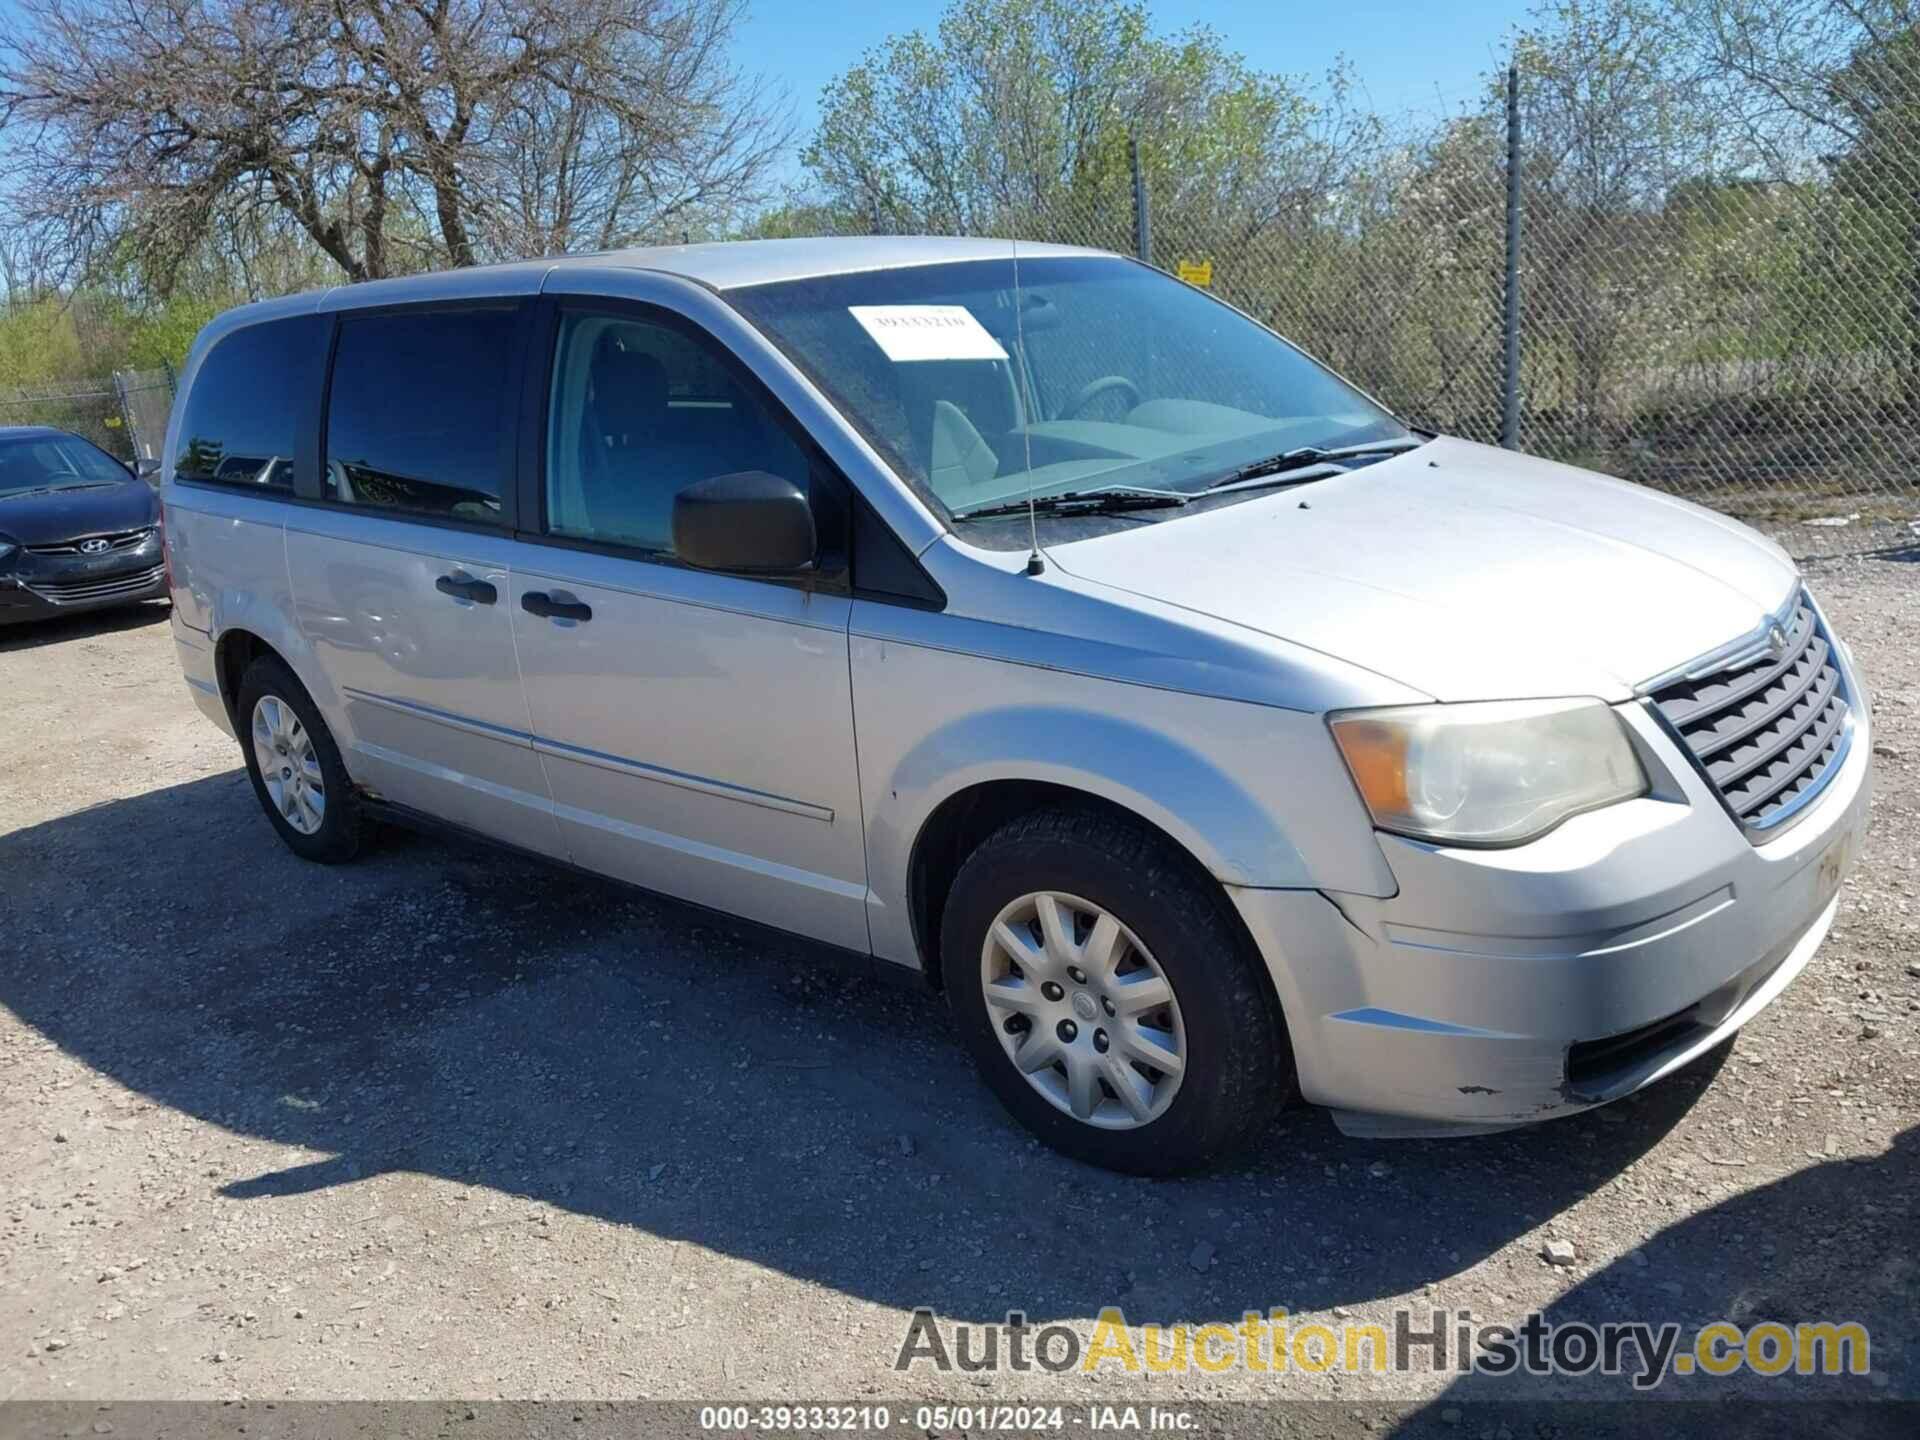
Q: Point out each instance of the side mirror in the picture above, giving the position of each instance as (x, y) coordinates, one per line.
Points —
(749, 521)
(147, 468)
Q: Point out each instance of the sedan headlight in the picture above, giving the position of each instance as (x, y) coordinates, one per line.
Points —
(1493, 774)
(7, 547)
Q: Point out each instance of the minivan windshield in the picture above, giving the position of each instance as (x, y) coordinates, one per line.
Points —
(33, 464)
(1113, 383)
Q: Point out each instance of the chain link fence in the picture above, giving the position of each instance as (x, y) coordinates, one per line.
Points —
(125, 414)
(146, 400)
(1726, 313)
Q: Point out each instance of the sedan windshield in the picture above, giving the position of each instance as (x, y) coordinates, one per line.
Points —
(1096, 378)
(30, 464)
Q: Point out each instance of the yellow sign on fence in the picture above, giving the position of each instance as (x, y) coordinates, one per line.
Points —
(1196, 272)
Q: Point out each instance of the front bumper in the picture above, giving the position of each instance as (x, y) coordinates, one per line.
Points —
(41, 587)
(1500, 987)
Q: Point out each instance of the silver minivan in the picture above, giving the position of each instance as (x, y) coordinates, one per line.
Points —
(1033, 620)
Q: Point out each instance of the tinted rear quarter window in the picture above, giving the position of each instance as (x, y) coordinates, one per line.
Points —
(417, 412)
(242, 420)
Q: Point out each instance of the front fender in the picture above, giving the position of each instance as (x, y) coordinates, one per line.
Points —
(1252, 792)
(1162, 780)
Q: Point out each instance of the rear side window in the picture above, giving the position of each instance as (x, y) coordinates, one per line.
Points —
(241, 424)
(417, 413)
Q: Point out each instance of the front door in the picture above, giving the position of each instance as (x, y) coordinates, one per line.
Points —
(696, 728)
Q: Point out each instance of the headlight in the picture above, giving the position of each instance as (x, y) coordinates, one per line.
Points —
(1495, 774)
(7, 547)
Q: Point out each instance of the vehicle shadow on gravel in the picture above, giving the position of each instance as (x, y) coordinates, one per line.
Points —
(1830, 1242)
(33, 634)
(445, 1010)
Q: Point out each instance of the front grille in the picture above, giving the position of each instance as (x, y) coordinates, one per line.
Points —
(79, 592)
(124, 540)
(1769, 731)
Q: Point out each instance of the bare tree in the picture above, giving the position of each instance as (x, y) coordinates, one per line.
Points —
(390, 133)
(1771, 64)
(25, 268)
(690, 152)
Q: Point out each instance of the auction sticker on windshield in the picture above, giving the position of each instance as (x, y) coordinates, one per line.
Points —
(927, 332)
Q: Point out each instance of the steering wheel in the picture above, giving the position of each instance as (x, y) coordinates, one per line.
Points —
(1094, 389)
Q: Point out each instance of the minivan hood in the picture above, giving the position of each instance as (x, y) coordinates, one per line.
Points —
(1465, 571)
(62, 515)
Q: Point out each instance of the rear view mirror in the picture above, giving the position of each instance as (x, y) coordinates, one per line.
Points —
(147, 468)
(749, 521)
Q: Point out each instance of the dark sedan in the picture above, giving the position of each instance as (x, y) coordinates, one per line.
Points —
(78, 531)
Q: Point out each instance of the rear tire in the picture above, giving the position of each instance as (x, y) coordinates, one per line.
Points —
(1107, 996)
(296, 769)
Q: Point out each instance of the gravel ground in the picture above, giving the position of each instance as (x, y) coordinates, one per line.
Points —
(447, 1123)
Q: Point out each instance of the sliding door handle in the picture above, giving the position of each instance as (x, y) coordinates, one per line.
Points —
(465, 587)
(538, 602)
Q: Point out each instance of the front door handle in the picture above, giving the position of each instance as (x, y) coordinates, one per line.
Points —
(465, 587)
(538, 602)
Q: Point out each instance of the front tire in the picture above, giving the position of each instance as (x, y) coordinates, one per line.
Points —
(296, 769)
(1108, 998)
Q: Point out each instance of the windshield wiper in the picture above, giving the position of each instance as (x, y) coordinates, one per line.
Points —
(1079, 502)
(1287, 462)
(59, 489)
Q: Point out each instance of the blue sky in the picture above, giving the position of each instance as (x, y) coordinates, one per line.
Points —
(1410, 55)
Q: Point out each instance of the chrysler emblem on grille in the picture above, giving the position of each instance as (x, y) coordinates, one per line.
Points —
(95, 547)
(1777, 640)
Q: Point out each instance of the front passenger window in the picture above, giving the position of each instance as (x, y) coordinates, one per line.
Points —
(639, 412)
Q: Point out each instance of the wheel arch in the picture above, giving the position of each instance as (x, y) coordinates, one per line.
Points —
(964, 819)
(238, 645)
(963, 778)
(233, 652)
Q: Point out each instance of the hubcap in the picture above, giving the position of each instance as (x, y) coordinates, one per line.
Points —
(288, 765)
(1083, 1011)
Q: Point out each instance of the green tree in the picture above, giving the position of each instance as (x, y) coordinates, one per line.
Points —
(39, 341)
(1611, 126)
(1878, 179)
(1824, 96)
(1017, 116)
